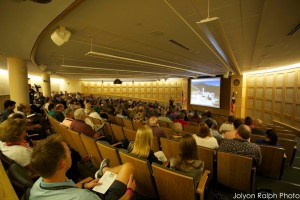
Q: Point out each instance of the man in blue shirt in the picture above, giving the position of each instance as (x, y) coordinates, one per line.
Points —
(51, 159)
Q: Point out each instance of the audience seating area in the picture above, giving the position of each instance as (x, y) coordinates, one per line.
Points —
(158, 181)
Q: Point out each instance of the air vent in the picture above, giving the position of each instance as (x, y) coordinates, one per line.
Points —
(294, 30)
(180, 45)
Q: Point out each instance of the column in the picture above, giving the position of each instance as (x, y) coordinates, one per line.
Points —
(18, 80)
(46, 85)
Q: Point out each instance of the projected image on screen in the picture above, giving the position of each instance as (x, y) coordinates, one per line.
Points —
(206, 92)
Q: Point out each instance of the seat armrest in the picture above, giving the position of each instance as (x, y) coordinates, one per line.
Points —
(100, 138)
(202, 183)
(116, 144)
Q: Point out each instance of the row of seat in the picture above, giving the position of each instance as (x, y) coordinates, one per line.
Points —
(147, 177)
(289, 145)
(7, 191)
(272, 164)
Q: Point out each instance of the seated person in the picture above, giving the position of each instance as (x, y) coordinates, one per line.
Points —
(140, 116)
(164, 117)
(188, 160)
(195, 117)
(213, 131)
(209, 116)
(157, 131)
(228, 125)
(54, 153)
(51, 109)
(241, 145)
(33, 127)
(141, 147)
(78, 124)
(58, 113)
(9, 107)
(252, 124)
(204, 138)
(181, 119)
(14, 145)
(270, 139)
(177, 131)
(69, 117)
(231, 134)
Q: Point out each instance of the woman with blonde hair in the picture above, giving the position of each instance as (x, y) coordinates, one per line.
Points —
(188, 160)
(204, 138)
(141, 147)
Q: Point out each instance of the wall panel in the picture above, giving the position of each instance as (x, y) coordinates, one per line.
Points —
(148, 91)
(274, 96)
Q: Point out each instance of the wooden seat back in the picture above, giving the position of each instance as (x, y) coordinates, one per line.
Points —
(92, 149)
(112, 119)
(6, 189)
(63, 131)
(163, 123)
(286, 136)
(191, 123)
(167, 131)
(175, 185)
(78, 144)
(273, 159)
(119, 121)
(191, 129)
(108, 151)
(128, 124)
(117, 132)
(136, 125)
(235, 171)
(207, 155)
(142, 175)
(129, 134)
(155, 144)
(290, 147)
(254, 137)
(170, 148)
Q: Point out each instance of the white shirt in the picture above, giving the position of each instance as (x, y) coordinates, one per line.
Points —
(226, 126)
(20, 154)
(208, 142)
(95, 115)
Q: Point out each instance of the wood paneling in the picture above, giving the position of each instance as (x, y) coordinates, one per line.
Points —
(161, 91)
(274, 96)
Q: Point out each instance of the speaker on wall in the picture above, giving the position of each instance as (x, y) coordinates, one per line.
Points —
(60, 36)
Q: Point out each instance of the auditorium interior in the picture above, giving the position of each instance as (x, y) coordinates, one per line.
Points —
(151, 50)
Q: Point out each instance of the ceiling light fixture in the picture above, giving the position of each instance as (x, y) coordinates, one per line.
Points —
(214, 35)
(120, 70)
(276, 69)
(93, 53)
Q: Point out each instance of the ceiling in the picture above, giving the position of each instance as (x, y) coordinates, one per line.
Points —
(148, 40)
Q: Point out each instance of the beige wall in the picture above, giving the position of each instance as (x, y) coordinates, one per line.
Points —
(4, 86)
(147, 91)
(58, 85)
(274, 96)
(70, 85)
